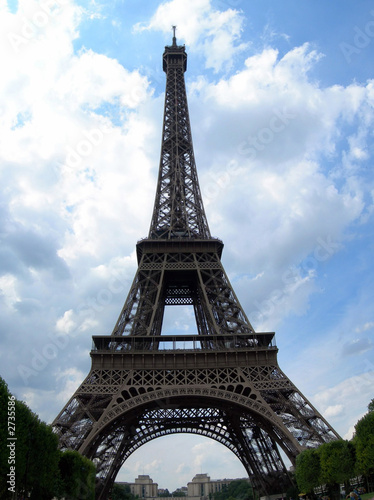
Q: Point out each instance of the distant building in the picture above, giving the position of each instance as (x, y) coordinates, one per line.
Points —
(200, 488)
(144, 487)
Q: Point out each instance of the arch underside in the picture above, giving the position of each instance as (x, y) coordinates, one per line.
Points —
(250, 410)
(251, 437)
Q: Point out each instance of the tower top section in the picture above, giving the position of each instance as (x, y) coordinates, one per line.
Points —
(174, 55)
(178, 211)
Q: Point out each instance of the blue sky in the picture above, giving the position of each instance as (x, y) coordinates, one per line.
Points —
(281, 103)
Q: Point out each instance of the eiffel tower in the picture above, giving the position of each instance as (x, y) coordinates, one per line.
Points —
(222, 382)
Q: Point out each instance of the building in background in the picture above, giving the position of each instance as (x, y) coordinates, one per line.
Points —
(144, 487)
(200, 488)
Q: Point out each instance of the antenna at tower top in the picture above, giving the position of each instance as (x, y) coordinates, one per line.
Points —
(174, 37)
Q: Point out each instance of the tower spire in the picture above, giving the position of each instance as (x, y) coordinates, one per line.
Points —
(178, 210)
(174, 37)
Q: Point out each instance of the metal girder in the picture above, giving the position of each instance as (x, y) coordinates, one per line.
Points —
(178, 209)
(159, 282)
(235, 429)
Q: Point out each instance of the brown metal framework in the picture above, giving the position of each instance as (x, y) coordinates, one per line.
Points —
(224, 382)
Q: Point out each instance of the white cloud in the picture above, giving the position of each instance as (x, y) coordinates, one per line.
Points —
(53, 132)
(340, 402)
(367, 326)
(70, 378)
(86, 83)
(66, 323)
(280, 131)
(153, 466)
(357, 346)
(333, 411)
(180, 468)
(8, 291)
(213, 33)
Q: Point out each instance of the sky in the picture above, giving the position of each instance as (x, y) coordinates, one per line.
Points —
(281, 103)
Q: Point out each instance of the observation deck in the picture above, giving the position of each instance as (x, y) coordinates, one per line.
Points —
(183, 351)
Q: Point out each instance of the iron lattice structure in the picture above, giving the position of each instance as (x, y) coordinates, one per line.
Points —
(224, 382)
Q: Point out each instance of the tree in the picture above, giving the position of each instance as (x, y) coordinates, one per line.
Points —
(166, 493)
(178, 493)
(35, 449)
(43, 461)
(77, 476)
(337, 461)
(42, 471)
(236, 490)
(308, 470)
(4, 466)
(364, 442)
(121, 492)
(371, 405)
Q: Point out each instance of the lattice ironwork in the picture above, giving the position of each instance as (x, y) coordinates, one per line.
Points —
(222, 382)
(178, 210)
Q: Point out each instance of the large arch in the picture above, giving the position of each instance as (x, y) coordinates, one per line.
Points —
(239, 422)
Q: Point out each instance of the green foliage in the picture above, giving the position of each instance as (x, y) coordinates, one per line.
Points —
(36, 454)
(121, 492)
(77, 475)
(41, 460)
(364, 427)
(236, 490)
(292, 492)
(365, 457)
(4, 467)
(308, 470)
(337, 461)
(364, 441)
(371, 405)
(165, 494)
(37, 459)
(35, 447)
(178, 493)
